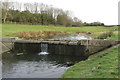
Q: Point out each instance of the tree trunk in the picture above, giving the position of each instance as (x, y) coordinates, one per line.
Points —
(4, 20)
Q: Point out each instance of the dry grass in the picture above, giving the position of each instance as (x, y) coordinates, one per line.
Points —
(39, 34)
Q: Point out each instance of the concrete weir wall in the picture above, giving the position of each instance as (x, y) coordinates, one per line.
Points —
(75, 50)
(27, 47)
(82, 48)
(7, 43)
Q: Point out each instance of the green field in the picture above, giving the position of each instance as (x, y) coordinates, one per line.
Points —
(9, 30)
(104, 65)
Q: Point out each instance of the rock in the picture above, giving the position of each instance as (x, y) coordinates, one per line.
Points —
(70, 63)
(88, 32)
(18, 54)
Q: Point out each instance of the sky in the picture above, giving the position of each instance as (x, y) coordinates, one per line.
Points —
(105, 11)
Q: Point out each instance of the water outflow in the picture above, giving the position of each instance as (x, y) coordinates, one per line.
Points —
(44, 49)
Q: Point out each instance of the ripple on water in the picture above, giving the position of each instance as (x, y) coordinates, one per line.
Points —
(35, 66)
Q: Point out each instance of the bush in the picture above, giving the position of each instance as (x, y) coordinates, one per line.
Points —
(105, 35)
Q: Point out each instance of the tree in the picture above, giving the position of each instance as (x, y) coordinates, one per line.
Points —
(5, 10)
(77, 22)
(35, 13)
(0, 12)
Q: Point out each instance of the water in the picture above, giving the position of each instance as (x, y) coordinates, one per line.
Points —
(40, 65)
(35, 66)
(43, 53)
(44, 49)
(72, 37)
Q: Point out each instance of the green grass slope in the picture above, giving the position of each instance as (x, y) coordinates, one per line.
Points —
(104, 65)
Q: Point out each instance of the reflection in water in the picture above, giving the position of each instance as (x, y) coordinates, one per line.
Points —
(35, 66)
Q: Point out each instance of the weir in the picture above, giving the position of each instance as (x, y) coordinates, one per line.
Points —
(82, 48)
(44, 47)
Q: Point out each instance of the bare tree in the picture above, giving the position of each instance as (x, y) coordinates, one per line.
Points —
(77, 22)
(0, 12)
(35, 7)
(18, 6)
(27, 7)
(5, 9)
(41, 7)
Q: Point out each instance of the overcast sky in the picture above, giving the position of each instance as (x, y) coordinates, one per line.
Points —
(105, 11)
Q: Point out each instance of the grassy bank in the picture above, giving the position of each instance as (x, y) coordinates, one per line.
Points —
(114, 36)
(11, 29)
(104, 65)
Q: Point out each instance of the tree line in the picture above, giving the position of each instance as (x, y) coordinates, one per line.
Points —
(39, 14)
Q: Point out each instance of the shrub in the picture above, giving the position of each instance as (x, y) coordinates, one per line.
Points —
(105, 35)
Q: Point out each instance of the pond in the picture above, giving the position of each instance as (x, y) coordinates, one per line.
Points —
(35, 65)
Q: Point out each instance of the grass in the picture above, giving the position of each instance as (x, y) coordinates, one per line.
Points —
(9, 29)
(114, 36)
(104, 65)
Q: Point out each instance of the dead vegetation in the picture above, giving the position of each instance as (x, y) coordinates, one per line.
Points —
(39, 34)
